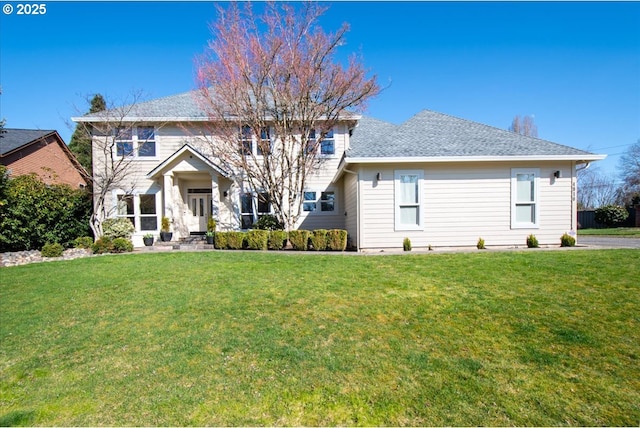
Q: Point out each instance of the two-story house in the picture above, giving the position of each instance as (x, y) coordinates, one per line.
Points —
(436, 179)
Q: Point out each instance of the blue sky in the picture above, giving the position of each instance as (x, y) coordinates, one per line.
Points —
(575, 66)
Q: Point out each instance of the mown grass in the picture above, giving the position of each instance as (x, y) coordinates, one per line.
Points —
(218, 338)
(623, 232)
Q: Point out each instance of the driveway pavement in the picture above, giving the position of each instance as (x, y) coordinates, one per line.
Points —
(609, 242)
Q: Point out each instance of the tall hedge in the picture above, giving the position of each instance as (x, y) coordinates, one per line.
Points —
(33, 213)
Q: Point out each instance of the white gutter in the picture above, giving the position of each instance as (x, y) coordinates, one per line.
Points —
(441, 159)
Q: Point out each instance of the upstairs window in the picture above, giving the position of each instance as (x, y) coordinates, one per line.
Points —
(135, 141)
(124, 142)
(250, 145)
(327, 144)
(146, 141)
(264, 144)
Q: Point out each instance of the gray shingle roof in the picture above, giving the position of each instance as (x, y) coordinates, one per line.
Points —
(13, 139)
(433, 134)
(182, 106)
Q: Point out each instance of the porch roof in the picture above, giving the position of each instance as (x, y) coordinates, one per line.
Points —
(158, 170)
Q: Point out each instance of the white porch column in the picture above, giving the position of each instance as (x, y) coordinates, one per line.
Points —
(168, 194)
(215, 198)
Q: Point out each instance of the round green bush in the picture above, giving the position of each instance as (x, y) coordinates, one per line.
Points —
(567, 240)
(52, 250)
(121, 245)
(120, 227)
(83, 242)
(532, 241)
(611, 215)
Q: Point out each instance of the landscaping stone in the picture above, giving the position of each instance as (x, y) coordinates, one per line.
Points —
(25, 257)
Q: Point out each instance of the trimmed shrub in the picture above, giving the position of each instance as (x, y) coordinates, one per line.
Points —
(220, 240)
(83, 242)
(268, 222)
(532, 241)
(567, 240)
(480, 245)
(299, 239)
(102, 245)
(257, 239)
(336, 240)
(52, 250)
(406, 244)
(319, 239)
(121, 245)
(611, 215)
(119, 227)
(235, 240)
(277, 240)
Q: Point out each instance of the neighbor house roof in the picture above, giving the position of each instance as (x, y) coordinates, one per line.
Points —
(13, 139)
(433, 136)
(175, 108)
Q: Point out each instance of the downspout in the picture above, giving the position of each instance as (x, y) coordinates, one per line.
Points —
(358, 207)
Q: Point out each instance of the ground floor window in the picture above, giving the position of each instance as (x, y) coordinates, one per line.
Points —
(252, 207)
(141, 210)
(408, 199)
(319, 201)
(524, 197)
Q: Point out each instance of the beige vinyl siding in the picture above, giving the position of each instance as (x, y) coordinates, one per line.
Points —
(462, 202)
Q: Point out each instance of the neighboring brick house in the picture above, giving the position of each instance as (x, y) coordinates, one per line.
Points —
(26, 151)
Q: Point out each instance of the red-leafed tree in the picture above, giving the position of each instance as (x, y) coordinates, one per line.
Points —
(272, 88)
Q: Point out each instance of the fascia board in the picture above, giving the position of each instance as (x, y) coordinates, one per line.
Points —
(442, 159)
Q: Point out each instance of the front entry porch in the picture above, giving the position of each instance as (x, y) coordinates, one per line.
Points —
(192, 190)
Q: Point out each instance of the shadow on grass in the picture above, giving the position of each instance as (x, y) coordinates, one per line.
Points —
(18, 418)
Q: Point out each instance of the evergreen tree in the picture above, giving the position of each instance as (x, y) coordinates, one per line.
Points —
(80, 143)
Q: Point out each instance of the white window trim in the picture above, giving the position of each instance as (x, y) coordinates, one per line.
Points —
(255, 140)
(396, 191)
(514, 196)
(318, 201)
(135, 143)
(137, 214)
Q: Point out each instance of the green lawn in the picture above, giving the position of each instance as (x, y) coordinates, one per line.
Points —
(623, 232)
(222, 338)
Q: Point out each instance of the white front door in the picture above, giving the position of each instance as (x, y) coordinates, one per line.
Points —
(199, 212)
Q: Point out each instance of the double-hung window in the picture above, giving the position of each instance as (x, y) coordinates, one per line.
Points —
(138, 141)
(524, 198)
(408, 200)
(327, 144)
(146, 141)
(124, 142)
(248, 141)
(264, 144)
